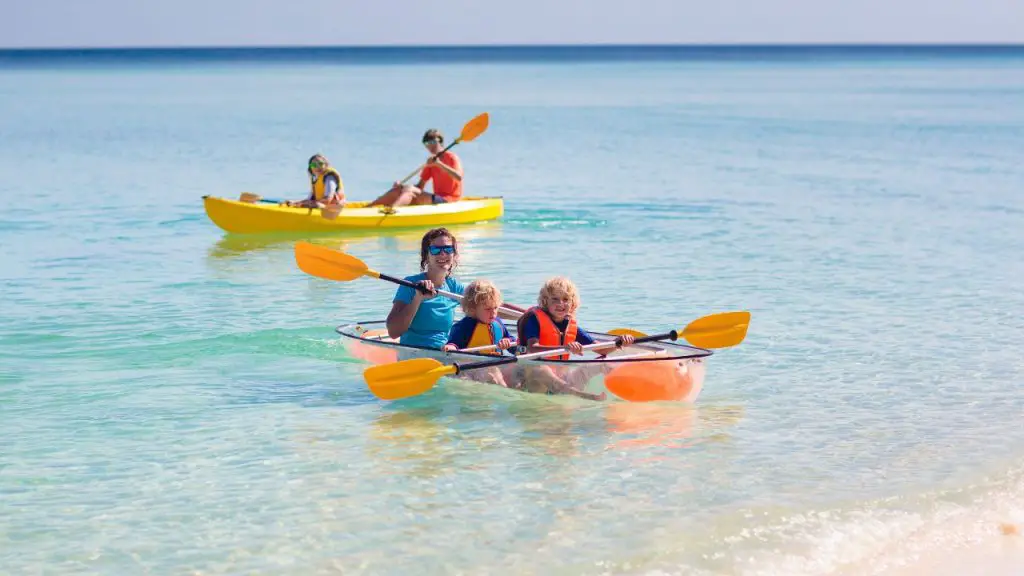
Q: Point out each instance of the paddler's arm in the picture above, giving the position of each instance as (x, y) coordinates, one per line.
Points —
(424, 177)
(333, 189)
(532, 346)
(307, 202)
(400, 317)
(626, 341)
(530, 336)
(454, 171)
(402, 313)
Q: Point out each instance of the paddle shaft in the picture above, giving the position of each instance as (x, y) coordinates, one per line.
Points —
(672, 335)
(482, 348)
(422, 166)
(252, 197)
(459, 368)
(275, 201)
(493, 346)
(414, 286)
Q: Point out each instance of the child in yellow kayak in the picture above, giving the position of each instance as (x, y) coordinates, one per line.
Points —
(481, 326)
(551, 325)
(326, 188)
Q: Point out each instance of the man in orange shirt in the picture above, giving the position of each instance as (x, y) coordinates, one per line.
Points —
(443, 169)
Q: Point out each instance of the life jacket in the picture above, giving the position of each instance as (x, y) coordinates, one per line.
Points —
(485, 335)
(317, 184)
(550, 335)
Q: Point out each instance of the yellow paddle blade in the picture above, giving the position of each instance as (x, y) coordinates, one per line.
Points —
(475, 127)
(624, 331)
(249, 197)
(717, 330)
(324, 262)
(406, 378)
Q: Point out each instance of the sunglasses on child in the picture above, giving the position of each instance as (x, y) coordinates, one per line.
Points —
(315, 164)
(435, 250)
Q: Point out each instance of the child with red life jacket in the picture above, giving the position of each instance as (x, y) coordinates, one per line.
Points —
(482, 327)
(551, 325)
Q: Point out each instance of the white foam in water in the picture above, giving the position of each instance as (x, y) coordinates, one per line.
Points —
(933, 534)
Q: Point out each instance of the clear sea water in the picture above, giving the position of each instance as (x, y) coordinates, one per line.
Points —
(174, 400)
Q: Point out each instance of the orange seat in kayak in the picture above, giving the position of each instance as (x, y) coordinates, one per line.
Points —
(653, 381)
(374, 354)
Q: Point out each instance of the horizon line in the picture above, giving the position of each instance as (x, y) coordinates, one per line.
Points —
(609, 45)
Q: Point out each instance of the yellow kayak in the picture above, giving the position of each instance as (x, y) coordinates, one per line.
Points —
(254, 218)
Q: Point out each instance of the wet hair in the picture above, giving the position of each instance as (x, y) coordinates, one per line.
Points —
(433, 133)
(478, 292)
(432, 235)
(559, 284)
(321, 158)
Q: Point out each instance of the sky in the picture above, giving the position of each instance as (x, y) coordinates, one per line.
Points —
(167, 23)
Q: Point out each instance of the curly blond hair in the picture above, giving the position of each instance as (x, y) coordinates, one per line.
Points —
(555, 286)
(480, 292)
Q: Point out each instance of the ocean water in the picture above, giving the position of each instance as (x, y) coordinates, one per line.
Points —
(174, 400)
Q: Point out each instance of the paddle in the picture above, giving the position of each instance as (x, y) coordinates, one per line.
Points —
(330, 211)
(252, 198)
(331, 264)
(411, 377)
(638, 334)
(470, 132)
(624, 331)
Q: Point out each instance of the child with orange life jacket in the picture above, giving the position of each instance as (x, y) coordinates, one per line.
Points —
(482, 327)
(550, 325)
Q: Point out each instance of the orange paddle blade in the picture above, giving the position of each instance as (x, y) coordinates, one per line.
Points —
(475, 127)
(329, 264)
(406, 378)
(720, 330)
(624, 331)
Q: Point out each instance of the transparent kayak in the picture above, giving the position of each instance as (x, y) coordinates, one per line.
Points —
(667, 370)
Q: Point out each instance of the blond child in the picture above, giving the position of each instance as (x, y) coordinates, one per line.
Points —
(551, 325)
(481, 326)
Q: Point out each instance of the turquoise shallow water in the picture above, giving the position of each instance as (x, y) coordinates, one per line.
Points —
(174, 400)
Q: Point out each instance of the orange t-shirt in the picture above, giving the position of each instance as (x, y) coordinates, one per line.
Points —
(444, 185)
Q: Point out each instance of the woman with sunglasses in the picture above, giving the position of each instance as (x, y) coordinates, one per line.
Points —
(326, 188)
(443, 169)
(424, 319)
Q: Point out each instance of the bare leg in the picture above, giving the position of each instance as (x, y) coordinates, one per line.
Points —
(398, 196)
(588, 395)
(494, 376)
(579, 377)
(422, 198)
(388, 198)
(543, 380)
(512, 375)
